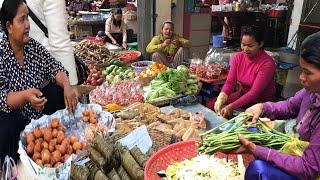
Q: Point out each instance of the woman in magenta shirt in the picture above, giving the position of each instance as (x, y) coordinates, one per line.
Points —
(252, 70)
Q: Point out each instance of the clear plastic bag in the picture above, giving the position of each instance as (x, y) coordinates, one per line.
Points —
(9, 169)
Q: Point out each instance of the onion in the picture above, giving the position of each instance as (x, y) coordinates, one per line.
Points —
(30, 138)
(54, 123)
(37, 147)
(37, 133)
(56, 156)
(77, 146)
(54, 133)
(30, 148)
(44, 145)
(45, 156)
(36, 156)
(47, 134)
(73, 139)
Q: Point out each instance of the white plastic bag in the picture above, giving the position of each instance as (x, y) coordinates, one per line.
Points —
(9, 169)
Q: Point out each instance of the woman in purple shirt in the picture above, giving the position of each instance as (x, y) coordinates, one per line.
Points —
(305, 107)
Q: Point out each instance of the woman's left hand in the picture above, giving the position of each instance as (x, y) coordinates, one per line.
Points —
(124, 45)
(71, 98)
(245, 147)
(227, 111)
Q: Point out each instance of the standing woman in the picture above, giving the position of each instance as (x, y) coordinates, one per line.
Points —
(24, 66)
(252, 70)
(116, 29)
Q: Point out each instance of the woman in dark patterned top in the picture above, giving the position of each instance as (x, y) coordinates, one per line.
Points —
(25, 66)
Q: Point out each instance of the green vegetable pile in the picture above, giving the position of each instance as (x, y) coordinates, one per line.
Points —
(171, 83)
(117, 71)
(265, 136)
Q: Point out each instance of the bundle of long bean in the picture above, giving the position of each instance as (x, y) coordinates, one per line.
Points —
(228, 140)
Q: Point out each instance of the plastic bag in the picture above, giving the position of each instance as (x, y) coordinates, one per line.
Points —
(294, 147)
(9, 169)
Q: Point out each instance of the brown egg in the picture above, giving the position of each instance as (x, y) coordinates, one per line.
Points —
(52, 145)
(40, 140)
(65, 157)
(60, 127)
(30, 148)
(73, 139)
(36, 156)
(66, 141)
(37, 133)
(54, 133)
(56, 155)
(84, 145)
(69, 149)
(77, 146)
(39, 162)
(30, 138)
(60, 137)
(44, 145)
(45, 156)
(62, 149)
(37, 147)
(55, 123)
(47, 134)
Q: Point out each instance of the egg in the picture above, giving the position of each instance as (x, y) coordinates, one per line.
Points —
(36, 156)
(54, 133)
(54, 123)
(45, 156)
(30, 138)
(60, 137)
(44, 145)
(47, 134)
(37, 147)
(37, 133)
(62, 149)
(30, 148)
(56, 156)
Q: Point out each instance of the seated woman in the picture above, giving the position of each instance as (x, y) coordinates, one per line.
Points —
(169, 48)
(304, 106)
(25, 66)
(116, 29)
(253, 71)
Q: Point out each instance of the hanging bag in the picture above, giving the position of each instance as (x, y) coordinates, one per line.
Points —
(9, 169)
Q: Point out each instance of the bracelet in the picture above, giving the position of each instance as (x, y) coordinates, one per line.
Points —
(268, 154)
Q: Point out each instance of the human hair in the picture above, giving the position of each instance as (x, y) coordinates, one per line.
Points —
(310, 49)
(117, 11)
(8, 12)
(168, 22)
(255, 32)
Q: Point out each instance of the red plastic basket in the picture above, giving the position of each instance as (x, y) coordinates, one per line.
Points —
(178, 152)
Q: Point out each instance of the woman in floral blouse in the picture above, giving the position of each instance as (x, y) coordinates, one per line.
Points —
(25, 67)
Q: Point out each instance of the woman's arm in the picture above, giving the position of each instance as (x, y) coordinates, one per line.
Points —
(124, 31)
(155, 45)
(305, 167)
(229, 85)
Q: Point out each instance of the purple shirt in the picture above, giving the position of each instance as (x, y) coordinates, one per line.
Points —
(304, 106)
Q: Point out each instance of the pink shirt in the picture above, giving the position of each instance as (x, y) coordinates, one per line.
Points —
(256, 78)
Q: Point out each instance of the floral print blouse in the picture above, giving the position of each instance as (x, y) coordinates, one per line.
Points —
(39, 67)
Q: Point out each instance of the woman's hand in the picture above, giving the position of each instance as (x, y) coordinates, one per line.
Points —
(227, 111)
(166, 43)
(70, 98)
(33, 96)
(245, 147)
(115, 42)
(176, 43)
(221, 100)
(256, 110)
(124, 45)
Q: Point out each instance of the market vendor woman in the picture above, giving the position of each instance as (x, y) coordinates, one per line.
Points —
(251, 76)
(25, 66)
(305, 107)
(169, 48)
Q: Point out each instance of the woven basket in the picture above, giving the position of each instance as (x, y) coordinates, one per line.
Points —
(178, 152)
